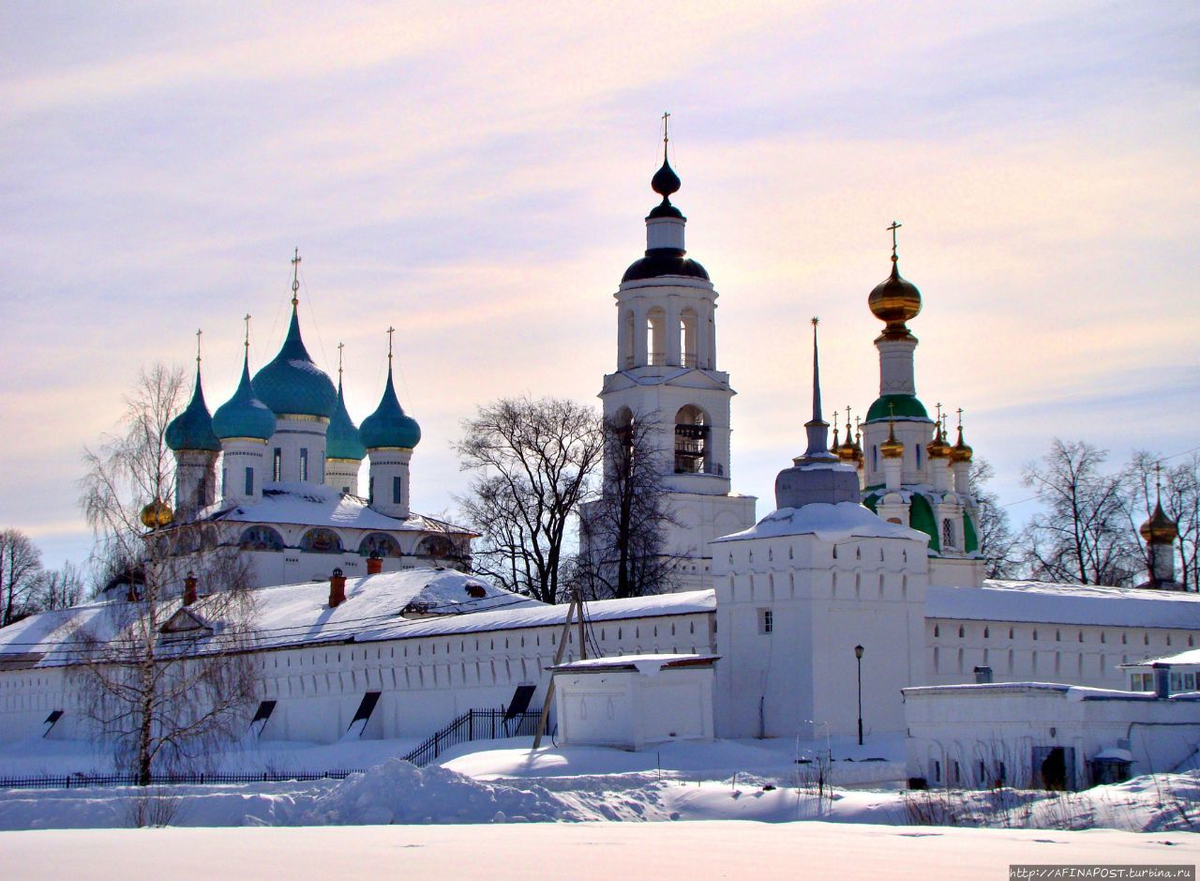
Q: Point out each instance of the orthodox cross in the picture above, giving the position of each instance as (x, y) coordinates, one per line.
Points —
(892, 229)
(666, 134)
(198, 334)
(939, 417)
(295, 277)
(390, 331)
(340, 347)
(247, 320)
(960, 417)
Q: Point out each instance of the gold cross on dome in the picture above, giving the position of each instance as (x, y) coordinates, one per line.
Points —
(960, 412)
(340, 347)
(295, 276)
(247, 320)
(390, 331)
(198, 335)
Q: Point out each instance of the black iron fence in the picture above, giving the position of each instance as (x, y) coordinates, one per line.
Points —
(475, 725)
(83, 781)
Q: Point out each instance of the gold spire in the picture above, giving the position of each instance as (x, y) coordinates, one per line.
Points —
(1159, 529)
(961, 452)
(938, 448)
(296, 278)
(891, 448)
(859, 458)
(833, 449)
(846, 451)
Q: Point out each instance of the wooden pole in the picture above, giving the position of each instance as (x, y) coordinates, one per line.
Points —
(558, 656)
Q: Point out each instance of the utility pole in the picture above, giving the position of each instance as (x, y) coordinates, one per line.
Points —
(558, 656)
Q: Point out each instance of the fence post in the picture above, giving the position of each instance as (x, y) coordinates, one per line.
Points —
(470, 724)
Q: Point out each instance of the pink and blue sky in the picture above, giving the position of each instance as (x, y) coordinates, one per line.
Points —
(476, 175)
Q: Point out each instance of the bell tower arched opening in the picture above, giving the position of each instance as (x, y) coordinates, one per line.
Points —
(627, 337)
(693, 447)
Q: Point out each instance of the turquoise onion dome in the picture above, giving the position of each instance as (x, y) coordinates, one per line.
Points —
(244, 415)
(292, 384)
(389, 425)
(193, 428)
(342, 439)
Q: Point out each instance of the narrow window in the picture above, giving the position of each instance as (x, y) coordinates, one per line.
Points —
(766, 621)
(249, 481)
(303, 464)
(396, 490)
(277, 466)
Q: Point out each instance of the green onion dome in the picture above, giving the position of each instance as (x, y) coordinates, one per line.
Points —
(389, 425)
(244, 415)
(292, 384)
(342, 440)
(193, 428)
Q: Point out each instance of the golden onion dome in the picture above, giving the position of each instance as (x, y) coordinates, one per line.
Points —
(938, 448)
(960, 452)
(859, 458)
(846, 451)
(157, 514)
(895, 301)
(891, 448)
(834, 447)
(1159, 529)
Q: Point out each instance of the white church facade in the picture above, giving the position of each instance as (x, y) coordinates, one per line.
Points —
(865, 580)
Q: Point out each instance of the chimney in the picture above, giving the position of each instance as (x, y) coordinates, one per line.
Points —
(1162, 680)
(337, 589)
(983, 675)
(374, 564)
(189, 589)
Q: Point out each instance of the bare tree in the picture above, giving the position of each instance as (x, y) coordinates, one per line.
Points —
(20, 571)
(163, 675)
(1082, 535)
(997, 540)
(59, 588)
(623, 530)
(532, 462)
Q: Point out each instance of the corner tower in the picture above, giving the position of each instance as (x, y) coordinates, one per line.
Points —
(666, 379)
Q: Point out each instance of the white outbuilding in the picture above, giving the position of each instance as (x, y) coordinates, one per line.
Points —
(634, 701)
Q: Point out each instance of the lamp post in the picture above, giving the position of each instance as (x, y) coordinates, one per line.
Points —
(858, 653)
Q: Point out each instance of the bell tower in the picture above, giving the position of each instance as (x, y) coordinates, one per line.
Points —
(666, 380)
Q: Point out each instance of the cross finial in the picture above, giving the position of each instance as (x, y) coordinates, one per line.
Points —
(892, 229)
(1158, 480)
(939, 415)
(340, 347)
(960, 412)
(296, 277)
(199, 333)
(247, 320)
(390, 331)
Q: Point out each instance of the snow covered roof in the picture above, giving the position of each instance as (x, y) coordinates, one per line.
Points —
(1044, 603)
(310, 504)
(647, 665)
(1183, 659)
(828, 522)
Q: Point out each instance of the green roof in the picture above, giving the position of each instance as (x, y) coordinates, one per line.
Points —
(970, 538)
(921, 517)
(193, 428)
(342, 440)
(244, 415)
(389, 425)
(898, 406)
(292, 383)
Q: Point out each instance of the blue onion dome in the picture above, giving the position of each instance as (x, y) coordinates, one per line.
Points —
(342, 440)
(389, 425)
(292, 384)
(244, 415)
(193, 428)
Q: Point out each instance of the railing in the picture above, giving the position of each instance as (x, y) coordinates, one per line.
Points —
(85, 781)
(475, 725)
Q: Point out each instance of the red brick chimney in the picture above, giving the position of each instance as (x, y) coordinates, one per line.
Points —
(374, 564)
(337, 589)
(189, 589)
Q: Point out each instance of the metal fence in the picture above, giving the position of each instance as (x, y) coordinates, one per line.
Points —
(475, 725)
(83, 781)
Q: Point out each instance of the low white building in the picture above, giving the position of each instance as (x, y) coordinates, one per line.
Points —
(1183, 672)
(1044, 735)
(634, 701)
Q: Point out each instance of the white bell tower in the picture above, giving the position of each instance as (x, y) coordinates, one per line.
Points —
(667, 381)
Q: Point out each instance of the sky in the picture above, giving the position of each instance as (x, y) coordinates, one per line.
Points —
(477, 175)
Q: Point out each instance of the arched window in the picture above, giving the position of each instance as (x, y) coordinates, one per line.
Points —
(379, 544)
(656, 336)
(687, 338)
(692, 450)
(260, 538)
(321, 541)
(947, 534)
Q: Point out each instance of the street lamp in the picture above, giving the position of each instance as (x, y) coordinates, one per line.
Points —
(858, 653)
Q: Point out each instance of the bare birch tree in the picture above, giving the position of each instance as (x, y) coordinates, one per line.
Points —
(997, 541)
(161, 682)
(532, 462)
(20, 571)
